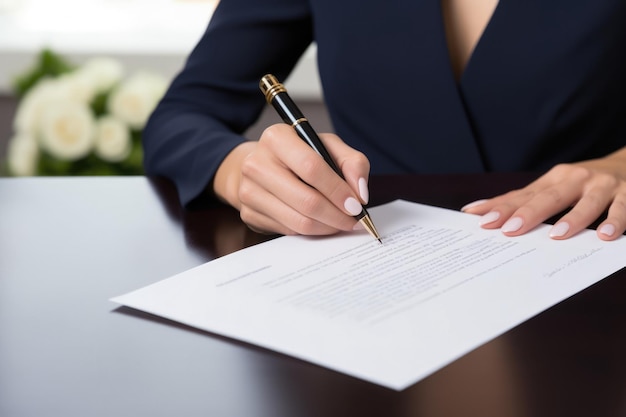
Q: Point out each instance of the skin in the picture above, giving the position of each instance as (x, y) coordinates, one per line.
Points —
(588, 187)
(280, 185)
(465, 23)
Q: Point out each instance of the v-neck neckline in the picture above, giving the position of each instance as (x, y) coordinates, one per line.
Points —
(481, 40)
(457, 110)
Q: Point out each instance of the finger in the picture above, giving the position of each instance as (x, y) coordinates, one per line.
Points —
(590, 206)
(306, 205)
(476, 207)
(262, 211)
(516, 198)
(540, 207)
(264, 225)
(615, 223)
(312, 169)
(260, 223)
(353, 164)
(496, 210)
(262, 179)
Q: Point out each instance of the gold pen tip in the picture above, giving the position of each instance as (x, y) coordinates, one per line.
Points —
(369, 226)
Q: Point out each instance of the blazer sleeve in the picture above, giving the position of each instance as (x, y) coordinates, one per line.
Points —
(216, 97)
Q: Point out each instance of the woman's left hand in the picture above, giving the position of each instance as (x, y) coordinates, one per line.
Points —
(590, 188)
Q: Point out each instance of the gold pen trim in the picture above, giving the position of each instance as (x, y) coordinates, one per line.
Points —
(300, 120)
(270, 86)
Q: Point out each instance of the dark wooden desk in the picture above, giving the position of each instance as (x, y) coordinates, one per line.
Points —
(68, 245)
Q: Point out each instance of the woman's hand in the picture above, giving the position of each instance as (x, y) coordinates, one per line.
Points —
(281, 185)
(590, 188)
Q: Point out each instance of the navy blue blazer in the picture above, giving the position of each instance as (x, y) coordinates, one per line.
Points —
(545, 84)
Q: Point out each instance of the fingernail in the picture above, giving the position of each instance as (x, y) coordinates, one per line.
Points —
(352, 206)
(490, 217)
(607, 229)
(512, 225)
(358, 226)
(559, 229)
(363, 190)
(474, 204)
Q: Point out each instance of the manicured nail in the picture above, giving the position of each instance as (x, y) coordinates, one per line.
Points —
(363, 190)
(474, 204)
(607, 229)
(559, 229)
(352, 206)
(490, 217)
(512, 225)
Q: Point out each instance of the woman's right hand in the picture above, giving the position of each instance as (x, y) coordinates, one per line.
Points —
(281, 185)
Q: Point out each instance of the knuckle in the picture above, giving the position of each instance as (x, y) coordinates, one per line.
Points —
(553, 194)
(559, 169)
(338, 192)
(305, 225)
(606, 181)
(310, 166)
(310, 203)
(245, 193)
(251, 166)
(246, 215)
(572, 172)
(359, 159)
(271, 134)
(248, 168)
(363, 163)
(596, 201)
(579, 173)
(522, 194)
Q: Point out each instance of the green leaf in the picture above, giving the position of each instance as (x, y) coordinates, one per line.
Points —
(47, 64)
(99, 104)
(49, 166)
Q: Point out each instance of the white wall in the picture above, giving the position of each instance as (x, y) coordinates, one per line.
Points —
(148, 34)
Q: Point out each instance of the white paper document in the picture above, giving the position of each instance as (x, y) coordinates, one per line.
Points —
(438, 287)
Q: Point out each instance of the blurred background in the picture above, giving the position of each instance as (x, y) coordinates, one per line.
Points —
(142, 35)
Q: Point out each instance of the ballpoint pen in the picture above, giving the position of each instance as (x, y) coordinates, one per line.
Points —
(276, 95)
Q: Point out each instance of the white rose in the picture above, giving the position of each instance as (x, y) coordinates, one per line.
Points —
(22, 155)
(103, 73)
(47, 93)
(135, 99)
(28, 114)
(67, 130)
(113, 142)
(75, 86)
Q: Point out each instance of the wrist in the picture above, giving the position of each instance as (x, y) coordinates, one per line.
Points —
(228, 176)
(614, 164)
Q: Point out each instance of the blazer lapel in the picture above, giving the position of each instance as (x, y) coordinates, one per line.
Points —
(450, 119)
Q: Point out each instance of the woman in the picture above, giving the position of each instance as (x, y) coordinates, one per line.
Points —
(411, 86)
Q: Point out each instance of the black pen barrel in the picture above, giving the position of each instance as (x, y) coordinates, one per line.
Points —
(291, 115)
(276, 95)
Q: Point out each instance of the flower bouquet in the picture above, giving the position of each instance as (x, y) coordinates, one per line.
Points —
(81, 120)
